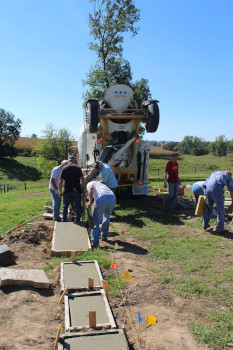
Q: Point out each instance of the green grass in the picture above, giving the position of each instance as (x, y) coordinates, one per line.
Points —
(190, 263)
(19, 206)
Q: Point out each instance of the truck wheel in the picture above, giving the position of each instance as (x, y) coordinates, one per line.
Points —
(92, 115)
(153, 121)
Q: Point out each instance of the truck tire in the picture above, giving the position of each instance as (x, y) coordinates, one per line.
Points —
(92, 115)
(153, 120)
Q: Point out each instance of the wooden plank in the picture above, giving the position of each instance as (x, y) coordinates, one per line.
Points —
(14, 277)
(201, 205)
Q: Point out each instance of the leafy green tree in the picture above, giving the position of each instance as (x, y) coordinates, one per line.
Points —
(34, 136)
(53, 148)
(193, 145)
(118, 71)
(10, 128)
(171, 146)
(141, 91)
(219, 146)
(108, 23)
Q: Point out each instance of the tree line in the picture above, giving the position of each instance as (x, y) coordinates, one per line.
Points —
(197, 146)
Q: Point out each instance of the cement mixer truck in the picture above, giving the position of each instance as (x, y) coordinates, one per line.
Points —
(110, 133)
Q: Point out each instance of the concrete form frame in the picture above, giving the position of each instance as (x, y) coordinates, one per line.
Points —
(121, 333)
(62, 282)
(69, 328)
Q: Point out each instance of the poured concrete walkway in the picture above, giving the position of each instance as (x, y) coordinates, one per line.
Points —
(68, 237)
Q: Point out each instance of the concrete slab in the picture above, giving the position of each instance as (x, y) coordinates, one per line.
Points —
(14, 277)
(6, 256)
(110, 339)
(75, 275)
(68, 237)
(78, 305)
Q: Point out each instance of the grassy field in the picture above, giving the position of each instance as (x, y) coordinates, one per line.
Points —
(193, 265)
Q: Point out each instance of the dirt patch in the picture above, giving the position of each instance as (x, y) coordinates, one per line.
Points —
(34, 314)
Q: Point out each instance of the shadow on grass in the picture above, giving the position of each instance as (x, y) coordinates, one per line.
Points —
(146, 208)
(226, 234)
(127, 247)
(15, 170)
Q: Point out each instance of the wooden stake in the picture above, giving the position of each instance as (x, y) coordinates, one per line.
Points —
(73, 256)
(90, 283)
(57, 337)
(92, 319)
(63, 294)
(105, 288)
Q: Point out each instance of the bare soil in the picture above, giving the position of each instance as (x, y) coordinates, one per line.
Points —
(29, 317)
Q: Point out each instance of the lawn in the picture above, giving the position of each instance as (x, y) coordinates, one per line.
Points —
(190, 263)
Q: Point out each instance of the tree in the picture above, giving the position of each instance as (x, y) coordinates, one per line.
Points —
(10, 128)
(53, 149)
(194, 146)
(109, 21)
(34, 136)
(141, 91)
(219, 146)
(171, 146)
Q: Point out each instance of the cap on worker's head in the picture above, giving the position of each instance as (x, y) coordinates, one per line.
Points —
(98, 165)
(228, 172)
(64, 162)
(71, 158)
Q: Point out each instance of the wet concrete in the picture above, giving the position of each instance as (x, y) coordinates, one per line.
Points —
(75, 275)
(113, 341)
(68, 237)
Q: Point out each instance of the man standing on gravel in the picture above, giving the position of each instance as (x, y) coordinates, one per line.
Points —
(53, 187)
(72, 175)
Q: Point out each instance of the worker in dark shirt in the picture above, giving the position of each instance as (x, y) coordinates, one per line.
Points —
(72, 175)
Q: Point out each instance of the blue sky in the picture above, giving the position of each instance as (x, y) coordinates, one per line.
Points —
(184, 48)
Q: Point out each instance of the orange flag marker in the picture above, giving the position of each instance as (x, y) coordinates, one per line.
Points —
(122, 232)
(105, 283)
(113, 266)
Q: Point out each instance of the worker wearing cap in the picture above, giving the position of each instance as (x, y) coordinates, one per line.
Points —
(171, 171)
(54, 190)
(72, 175)
(106, 174)
(215, 194)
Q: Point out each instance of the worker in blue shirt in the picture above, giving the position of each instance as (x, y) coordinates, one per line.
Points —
(214, 192)
(106, 175)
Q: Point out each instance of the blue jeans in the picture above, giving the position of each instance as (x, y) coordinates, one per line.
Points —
(56, 200)
(218, 199)
(74, 196)
(172, 196)
(102, 209)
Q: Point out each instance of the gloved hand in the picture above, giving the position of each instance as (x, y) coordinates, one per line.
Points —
(57, 192)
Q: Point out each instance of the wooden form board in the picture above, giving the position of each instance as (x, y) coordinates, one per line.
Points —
(14, 277)
(78, 305)
(75, 275)
(201, 206)
(69, 237)
(101, 340)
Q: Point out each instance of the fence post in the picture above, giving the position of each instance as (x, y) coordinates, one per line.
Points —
(158, 171)
(25, 186)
